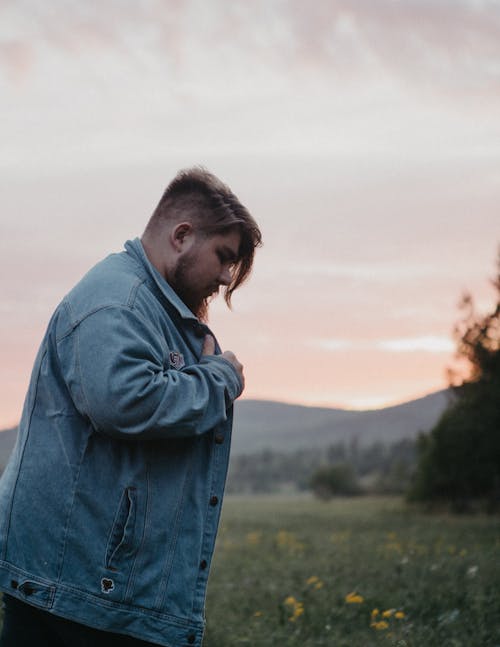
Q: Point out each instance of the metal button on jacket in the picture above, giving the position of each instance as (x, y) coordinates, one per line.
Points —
(214, 500)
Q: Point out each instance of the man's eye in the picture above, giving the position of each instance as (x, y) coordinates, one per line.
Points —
(227, 260)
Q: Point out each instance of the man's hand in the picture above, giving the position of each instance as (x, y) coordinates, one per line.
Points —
(209, 349)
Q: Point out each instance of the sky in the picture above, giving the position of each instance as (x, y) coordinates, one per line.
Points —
(363, 135)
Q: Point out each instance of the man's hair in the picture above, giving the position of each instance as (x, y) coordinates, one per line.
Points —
(197, 195)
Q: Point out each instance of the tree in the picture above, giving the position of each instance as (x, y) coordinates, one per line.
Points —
(335, 480)
(459, 460)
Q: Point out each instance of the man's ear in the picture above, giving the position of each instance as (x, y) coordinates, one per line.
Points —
(181, 236)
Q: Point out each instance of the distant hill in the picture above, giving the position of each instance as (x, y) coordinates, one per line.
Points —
(262, 424)
(7, 440)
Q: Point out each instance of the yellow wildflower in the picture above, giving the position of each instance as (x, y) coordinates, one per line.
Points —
(253, 538)
(318, 585)
(297, 612)
(312, 580)
(399, 615)
(380, 626)
(288, 540)
(257, 614)
(375, 613)
(388, 613)
(354, 598)
(295, 607)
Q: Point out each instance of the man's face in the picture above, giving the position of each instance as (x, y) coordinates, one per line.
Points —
(203, 268)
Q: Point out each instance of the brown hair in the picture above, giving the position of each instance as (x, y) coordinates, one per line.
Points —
(198, 195)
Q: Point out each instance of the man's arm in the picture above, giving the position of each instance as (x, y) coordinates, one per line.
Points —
(123, 386)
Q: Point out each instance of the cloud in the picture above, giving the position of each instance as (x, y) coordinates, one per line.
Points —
(442, 42)
(17, 58)
(373, 272)
(426, 344)
(422, 344)
(452, 41)
(156, 78)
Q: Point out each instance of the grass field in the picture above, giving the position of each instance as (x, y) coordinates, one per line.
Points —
(352, 573)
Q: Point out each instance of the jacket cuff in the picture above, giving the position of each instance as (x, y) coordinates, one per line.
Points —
(232, 379)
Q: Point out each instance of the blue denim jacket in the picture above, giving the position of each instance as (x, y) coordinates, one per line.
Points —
(110, 503)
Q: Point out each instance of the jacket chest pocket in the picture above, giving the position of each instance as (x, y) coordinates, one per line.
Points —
(121, 538)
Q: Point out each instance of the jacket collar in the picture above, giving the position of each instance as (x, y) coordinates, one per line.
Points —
(136, 250)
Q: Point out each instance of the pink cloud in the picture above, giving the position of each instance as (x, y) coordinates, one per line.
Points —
(450, 43)
(17, 59)
(434, 42)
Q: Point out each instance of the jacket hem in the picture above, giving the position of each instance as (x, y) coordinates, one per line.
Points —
(87, 609)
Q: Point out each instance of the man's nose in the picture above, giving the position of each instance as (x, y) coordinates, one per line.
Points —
(225, 276)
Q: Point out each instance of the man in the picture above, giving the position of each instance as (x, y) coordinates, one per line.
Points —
(110, 503)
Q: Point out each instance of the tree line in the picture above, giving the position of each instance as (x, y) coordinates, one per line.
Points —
(376, 468)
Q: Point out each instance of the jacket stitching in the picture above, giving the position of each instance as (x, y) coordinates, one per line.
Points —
(21, 457)
(133, 292)
(62, 550)
(112, 546)
(82, 388)
(61, 586)
(75, 322)
(167, 570)
(145, 528)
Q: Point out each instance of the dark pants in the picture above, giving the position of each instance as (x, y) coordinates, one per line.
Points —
(26, 626)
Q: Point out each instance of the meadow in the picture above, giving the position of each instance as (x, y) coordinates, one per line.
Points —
(352, 573)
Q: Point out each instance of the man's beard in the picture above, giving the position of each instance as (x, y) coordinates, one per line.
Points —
(191, 298)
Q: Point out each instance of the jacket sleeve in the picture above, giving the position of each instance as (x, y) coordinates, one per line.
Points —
(126, 389)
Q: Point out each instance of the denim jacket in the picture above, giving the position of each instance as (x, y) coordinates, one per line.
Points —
(110, 502)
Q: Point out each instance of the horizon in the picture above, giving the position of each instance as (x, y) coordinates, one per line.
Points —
(313, 406)
(364, 139)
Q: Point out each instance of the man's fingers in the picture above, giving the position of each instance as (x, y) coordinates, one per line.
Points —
(209, 349)
(208, 345)
(231, 357)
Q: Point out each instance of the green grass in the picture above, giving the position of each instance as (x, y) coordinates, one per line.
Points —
(439, 573)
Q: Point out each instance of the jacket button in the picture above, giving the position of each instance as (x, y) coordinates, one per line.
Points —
(14, 584)
(191, 638)
(214, 500)
(203, 564)
(219, 439)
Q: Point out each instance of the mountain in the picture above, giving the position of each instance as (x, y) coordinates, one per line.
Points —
(261, 424)
(7, 440)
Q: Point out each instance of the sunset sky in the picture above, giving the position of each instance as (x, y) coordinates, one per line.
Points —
(363, 135)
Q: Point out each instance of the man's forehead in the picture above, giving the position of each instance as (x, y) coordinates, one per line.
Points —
(229, 243)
